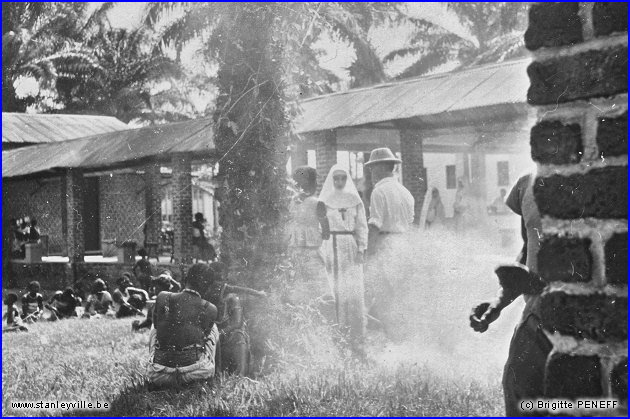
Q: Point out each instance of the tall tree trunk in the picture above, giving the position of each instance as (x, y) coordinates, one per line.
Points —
(250, 137)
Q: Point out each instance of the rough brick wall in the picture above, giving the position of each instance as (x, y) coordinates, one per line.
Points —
(579, 84)
(413, 172)
(75, 187)
(326, 155)
(122, 207)
(39, 199)
(152, 202)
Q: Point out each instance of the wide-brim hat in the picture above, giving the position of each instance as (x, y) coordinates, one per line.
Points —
(382, 155)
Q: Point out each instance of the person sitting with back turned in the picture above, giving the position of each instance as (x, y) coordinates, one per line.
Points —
(183, 343)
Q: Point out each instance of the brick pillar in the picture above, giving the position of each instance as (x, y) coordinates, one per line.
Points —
(75, 239)
(153, 203)
(182, 208)
(414, 174)
(63, 185)
(579, 85)
(299, 155)
(325, 154)
(478, 175)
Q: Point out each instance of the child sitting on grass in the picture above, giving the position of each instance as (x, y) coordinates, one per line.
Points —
(32, 303)
(63, 305)
(12, 315)
(100, 301)
(128, 300)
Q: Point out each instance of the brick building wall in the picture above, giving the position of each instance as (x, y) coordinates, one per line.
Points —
(579, 85)
(326, 152)
(39, 199)
(122, 207)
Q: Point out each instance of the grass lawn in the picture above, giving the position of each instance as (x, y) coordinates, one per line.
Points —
(301, 368)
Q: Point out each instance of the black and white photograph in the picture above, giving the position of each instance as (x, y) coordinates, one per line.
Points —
(314, 209)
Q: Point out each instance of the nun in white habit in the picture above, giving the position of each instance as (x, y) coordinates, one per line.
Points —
(345, 251)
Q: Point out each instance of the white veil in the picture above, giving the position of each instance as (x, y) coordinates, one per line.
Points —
(348, 197)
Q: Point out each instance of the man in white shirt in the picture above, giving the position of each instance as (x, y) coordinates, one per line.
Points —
(391, 215)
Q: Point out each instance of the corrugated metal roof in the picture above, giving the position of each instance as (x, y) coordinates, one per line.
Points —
(49, 128)
(111, 149)
(489, 85)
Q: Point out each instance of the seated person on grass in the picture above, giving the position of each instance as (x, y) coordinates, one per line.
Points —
(14, 322)
(160, 284)
(234, 343)
(63, 304)
(143, 269)
(183, 342)
(32, 303)
(100, 301)
(128, 300)
(167, 276)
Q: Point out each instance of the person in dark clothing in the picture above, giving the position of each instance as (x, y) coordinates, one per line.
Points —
(32, 303)
(523, 376)
(63, 304)
(33, 232)
(206, 250)
(143, 270)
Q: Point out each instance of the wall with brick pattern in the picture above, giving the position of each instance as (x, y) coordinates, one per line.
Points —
(579, 85)
(39, 199)
(326, 155)
(122, 207)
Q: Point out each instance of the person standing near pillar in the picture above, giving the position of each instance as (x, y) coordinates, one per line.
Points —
(307, 229)
(391, 215)
(523, 375)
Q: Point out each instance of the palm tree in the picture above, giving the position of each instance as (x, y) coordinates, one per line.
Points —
(497, 34)
(38, 41)
(131, 68)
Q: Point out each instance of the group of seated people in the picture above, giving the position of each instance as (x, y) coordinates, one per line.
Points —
(124, 301)
(23, 230)
(194, 330)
